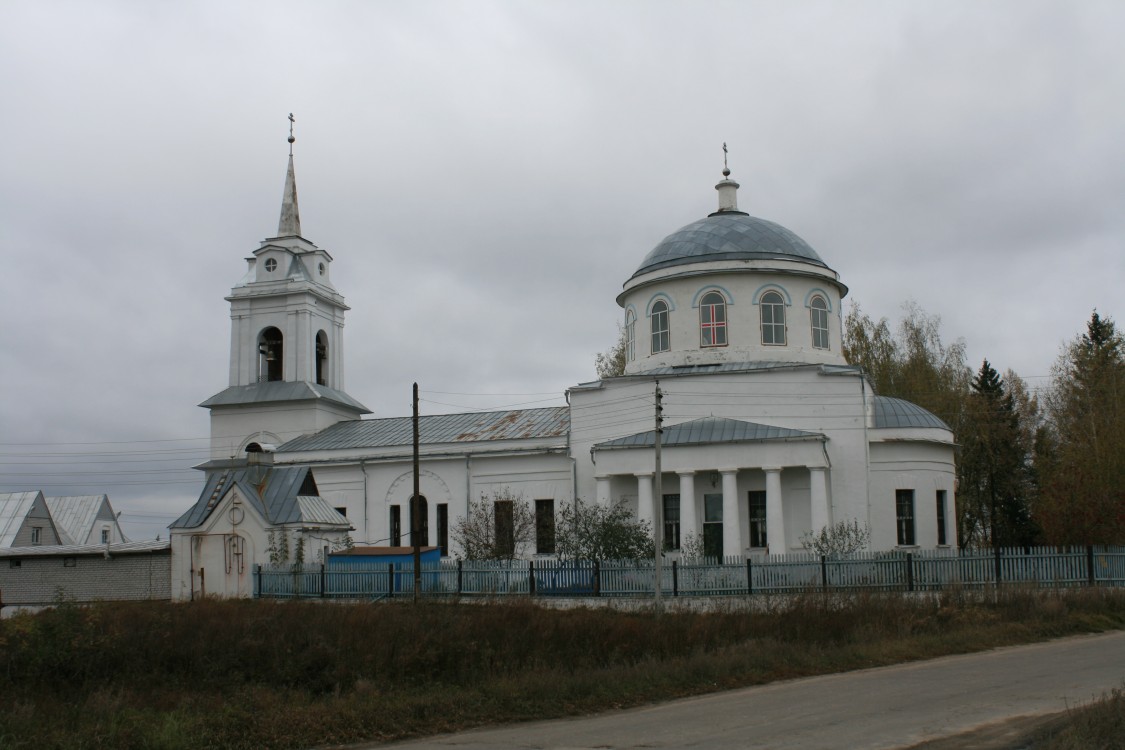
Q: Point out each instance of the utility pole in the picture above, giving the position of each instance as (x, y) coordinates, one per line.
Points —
(658, 502)
(415, 521)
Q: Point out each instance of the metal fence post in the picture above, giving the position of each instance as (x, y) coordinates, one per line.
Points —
(531, 577)
(909, 571)
(675, 579)
(597, 579)
(460, 577)
(996, 550)
(824, 573)
(390, 580)
(749, 578)
(258, 581)
(323, 581)
(1090, 580)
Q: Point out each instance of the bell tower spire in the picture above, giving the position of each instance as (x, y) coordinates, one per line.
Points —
(290, 223)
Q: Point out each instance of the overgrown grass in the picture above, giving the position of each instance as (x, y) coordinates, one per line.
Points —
(258, 674)
(1097, 726)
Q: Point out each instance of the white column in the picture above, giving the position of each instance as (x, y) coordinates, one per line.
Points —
(775, 515)
(818, 494)
(732, 518)
(644, 498)
(688, 522)
(602, 498)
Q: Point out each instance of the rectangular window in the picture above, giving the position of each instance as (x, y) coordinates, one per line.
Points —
(70, 562)
(671, 522)
(545, 527)
(13, 563)
(904, 515)
(819, 328)
(941, 517)
(396, 526)
(36, 535)
(713, 525)
(105, 536)
(505, 528)
(659, 321)
(443, 528)
(757, 518)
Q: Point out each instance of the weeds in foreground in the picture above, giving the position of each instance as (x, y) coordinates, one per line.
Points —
(1097, 726)
(295, 674)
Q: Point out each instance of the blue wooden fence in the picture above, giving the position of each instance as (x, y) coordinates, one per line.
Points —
(1047, 567)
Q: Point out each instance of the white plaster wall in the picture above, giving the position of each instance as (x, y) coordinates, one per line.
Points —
(233, 427)
(922, 467)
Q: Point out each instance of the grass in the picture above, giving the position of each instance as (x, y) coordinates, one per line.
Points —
(260, 674)
(1097, 726)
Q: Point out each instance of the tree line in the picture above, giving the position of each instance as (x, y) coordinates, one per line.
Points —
(1045, 468)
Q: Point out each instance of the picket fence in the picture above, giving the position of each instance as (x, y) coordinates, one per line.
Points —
(1048, 567)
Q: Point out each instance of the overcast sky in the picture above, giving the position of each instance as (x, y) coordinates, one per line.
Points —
(487, 175)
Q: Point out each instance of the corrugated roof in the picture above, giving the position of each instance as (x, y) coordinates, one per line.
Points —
(272, 490)
(74, 516)
(123, 548)
(518, 424)
(14, 507)
(282, 390)
(709, 430)
(895, 412)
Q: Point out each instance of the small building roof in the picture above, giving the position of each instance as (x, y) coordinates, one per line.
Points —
(75, 515)
(14, 507)
(519, 424)
(896, 412)
(72, 550)
(707, 431)
(274, 491)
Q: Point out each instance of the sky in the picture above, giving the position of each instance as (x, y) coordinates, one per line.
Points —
(486, 175)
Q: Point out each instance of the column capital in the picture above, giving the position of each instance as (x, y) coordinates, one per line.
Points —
(643, 474)
(728, 472)
(772, 469)
(687, 473)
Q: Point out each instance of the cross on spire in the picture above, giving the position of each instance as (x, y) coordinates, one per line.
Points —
(726, 169)
(292, 120)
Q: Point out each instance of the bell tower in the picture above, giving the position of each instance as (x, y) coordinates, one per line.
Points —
(287, 342)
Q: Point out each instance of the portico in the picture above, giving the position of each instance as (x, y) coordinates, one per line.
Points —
(715, 474)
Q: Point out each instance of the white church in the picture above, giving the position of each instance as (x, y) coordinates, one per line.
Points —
(768, 433)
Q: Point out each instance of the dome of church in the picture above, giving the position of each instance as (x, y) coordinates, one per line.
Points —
(728, 235)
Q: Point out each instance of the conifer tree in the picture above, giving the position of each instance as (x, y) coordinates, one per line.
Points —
(1082, 466)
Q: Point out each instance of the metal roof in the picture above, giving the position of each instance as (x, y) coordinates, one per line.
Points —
(69, 550)
(14, 507)
(728, 236)
(710, 430)
(470, 427)
(729, 367)
(895, 412)
(74, 516)
(272, 490)
(282, 390)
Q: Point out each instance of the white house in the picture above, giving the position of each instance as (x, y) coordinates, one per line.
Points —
(768, 432)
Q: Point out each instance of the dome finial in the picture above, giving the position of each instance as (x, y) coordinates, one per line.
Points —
(728, 189)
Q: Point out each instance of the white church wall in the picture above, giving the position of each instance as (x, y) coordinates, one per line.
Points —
(232, 428)
(922, 467)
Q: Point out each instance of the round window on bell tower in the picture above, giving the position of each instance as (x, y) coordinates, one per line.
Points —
(271, 265)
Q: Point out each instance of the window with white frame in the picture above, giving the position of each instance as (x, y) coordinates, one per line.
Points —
(773, 318)
(105, 535)
(818, 312)
(630, 336)
(713, 320)
(36, 535)
(904, 517)
(659, 321)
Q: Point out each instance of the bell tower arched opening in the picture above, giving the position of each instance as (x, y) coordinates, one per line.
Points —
(321, 358)
(270, 355)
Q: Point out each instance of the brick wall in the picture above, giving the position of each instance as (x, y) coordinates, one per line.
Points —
(85, 578)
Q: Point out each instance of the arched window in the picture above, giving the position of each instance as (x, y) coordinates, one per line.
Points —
(659, 320)
(630, 336)
(773, 318)
(818, 310)
(321, 358)
(270, 355)
(713, 320)
(423, 521)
